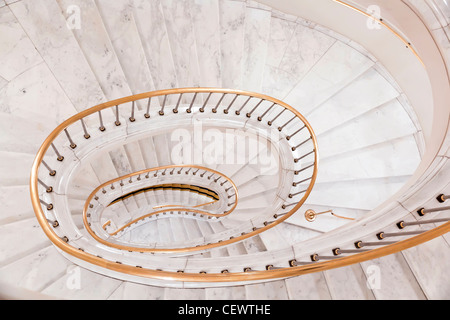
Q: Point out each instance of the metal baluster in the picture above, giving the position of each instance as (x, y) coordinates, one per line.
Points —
(254, 109)
(217, 179)
(361, 244)
(132, 118)
(52, 172)
(300, 144)
(339, 251)
(47, 188)
(179, 171)
(265, 113)
(147, 114)
(202, 109)
(59, 156)
(187, 172)
(278, 215)
(178, 104)
(72, 145)
(296, 194)
(209, 178)
(161, 112)
(403, 224)
(238, 112)
(218, 103)
(102, 127)
(86, 134)
(424, 211)
(271, 122)
(297, 160)
(48, 205)
(301, 170)
(54, 223)
(117, 123)
(189, 110)
(285, 206)
(231, 104)
(300, 182)
(442, 198)
(287, 123)
(383, 235)
(291, 136)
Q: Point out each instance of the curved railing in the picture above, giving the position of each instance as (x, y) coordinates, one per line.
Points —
(277, 264)
(263, 110)
(229, 197)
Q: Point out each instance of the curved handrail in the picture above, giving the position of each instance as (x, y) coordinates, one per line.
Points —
(270, 273)
(194, 210)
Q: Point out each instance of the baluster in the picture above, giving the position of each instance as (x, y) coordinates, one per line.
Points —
(231, 104)
(285, 206)
(218, 103)
(161, 112)
(265, 113)
(189, 110)
(86, 134)
(339, 251)
(442, 198)
(300, 182)
(217, 179)
(189, 170)
(51, 171)
(298, 131)
(59, 156)
(301, 144)
(147, 114)
(297, 160)
(271, 122)
(238, 112)
(254, 109)
(178, 103)
(287, 123)
(297, 172)
(132, 118)
(117, 123)
(48, 205)
(202, 109)
(296, 194)
(361, 244)
(72, 145)
(403, 224)
(102, 127)
(424, 211)
(383, 235)
(47, 188)
(54, 223)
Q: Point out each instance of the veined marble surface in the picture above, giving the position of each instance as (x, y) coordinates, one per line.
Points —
(94, 41)
(60, 50)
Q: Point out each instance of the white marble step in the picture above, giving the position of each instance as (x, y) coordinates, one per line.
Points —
(368, 91)
(16, 204)
(36, 271)
(232, 26)
(13, 246)
(94, 41)
(17, 53)
(364, 194)
(47, 28)
(386, 122)
(396, 157)
(155, 40)
(120, 23)
(15, 168)
(206, 13)
(181, 36)
(18, 97)
(256, 38)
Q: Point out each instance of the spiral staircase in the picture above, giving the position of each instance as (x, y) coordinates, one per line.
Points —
(215, 149)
